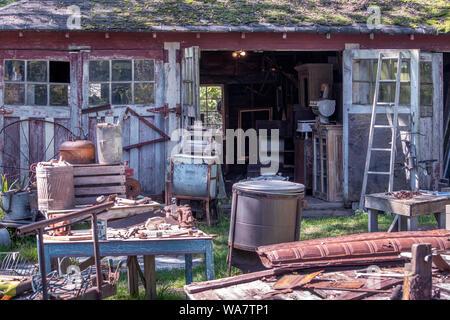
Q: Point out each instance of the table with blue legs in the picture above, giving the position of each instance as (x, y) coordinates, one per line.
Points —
(134, 247)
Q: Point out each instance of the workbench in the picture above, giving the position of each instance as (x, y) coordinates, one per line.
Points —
(406, 210)
(134, 247)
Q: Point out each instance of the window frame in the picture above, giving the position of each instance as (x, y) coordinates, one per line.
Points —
(132, 82)
(222, 128)
(26, 83)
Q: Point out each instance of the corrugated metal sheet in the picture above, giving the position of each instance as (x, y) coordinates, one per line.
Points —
(350, 250)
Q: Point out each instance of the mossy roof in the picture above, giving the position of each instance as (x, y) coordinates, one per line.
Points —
(417, 16)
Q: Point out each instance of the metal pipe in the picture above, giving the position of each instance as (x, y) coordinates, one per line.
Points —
(76, 214)
(42, 264)
(97, 256)
(232, 228)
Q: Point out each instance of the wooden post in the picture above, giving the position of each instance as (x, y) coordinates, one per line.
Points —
(373, 220)
(150, 277)
(133, 284)
(418, 280)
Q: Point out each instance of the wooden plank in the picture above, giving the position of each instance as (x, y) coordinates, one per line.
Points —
(373, 220)
(85, 191)
(133, 282)
(150, 277)
(418, 279)
(98, 170)
(24, 145)
(49, 139)
(383, 284)
(11, 152)
(147, 157)
(89, 200)
(79, 181)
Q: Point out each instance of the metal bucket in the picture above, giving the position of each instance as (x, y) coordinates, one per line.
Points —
(190, 175)
(265, 212)
(5, 240)
(109, 143)
(55, 186)
(16, 205)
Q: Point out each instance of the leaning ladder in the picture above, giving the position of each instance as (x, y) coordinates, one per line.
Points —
(393, 125)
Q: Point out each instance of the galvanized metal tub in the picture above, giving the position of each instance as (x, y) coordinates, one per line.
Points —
(16, 205)
(5, 240)
(109, 143)
(55, 186)
(265, 212)
(190, 176)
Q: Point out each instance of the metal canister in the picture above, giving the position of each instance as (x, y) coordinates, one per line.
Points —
(109, 143)
(55, 186)
(265, 212)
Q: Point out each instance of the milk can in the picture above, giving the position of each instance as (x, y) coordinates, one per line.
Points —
(109, 143)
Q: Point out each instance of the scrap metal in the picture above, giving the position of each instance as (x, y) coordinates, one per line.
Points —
(359, 249)
(404, 194)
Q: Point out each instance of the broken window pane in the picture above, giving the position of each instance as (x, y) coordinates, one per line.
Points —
(144, 93)
(121, 93)
(144, 70)
(14, 94)
(121, 70)
(37, 95)
(98, 93)
(405, 93)
(14, 70)
(99, 70)
(37, 71)
(59, 95)
(60, 71)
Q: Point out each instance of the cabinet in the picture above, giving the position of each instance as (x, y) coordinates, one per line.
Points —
(328, 162)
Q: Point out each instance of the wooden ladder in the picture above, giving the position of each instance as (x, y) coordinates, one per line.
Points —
(393, 125)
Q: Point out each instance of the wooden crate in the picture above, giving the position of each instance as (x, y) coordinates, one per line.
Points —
(93, 180)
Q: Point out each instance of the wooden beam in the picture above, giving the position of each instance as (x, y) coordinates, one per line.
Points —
(150, 277)
(418, 280)
(133, 283)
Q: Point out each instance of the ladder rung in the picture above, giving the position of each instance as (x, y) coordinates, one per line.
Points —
(381, 149)
(378, 172)
(390, 104)
(387, 80)
(383, 126)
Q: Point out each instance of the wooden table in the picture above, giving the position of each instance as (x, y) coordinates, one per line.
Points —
(134, 247)
(406, 211)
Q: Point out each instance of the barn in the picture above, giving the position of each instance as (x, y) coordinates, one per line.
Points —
(232, 64)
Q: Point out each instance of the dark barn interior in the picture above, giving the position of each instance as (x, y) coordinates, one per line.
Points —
(261, 90)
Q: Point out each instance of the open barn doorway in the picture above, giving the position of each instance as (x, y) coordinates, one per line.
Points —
(270, 90)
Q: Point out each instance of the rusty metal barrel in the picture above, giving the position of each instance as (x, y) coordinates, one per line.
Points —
(265, 212)
(55, 186)
(109, 143)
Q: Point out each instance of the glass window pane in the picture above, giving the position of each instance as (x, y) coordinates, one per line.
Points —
(98, 93)
(14, 70)
(426, 94)
(121, 93)
(426, 72)
(361, 70)
(59, 95)
(144, 93)
(37, 71)
(387, 92)
(99, 70)
(215, 93)
(144, 70)
(405, 74)
(14, 94)
(121, 70)
(388, 69)
(405, 93)
(37, 95)
(362, 93)
(203, 104)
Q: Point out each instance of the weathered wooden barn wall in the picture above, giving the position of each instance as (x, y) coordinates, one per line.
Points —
(67, 46)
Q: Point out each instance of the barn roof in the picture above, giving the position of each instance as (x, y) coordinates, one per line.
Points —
(322, 16)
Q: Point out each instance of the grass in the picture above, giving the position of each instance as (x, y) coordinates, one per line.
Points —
(170, 283)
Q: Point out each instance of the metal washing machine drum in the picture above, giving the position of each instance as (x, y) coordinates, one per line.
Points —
(265, 212)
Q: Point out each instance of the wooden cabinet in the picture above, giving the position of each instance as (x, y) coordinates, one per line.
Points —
(328, 162)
